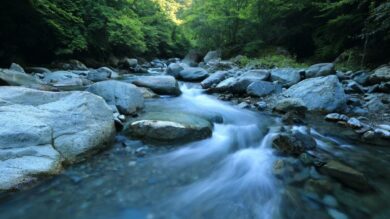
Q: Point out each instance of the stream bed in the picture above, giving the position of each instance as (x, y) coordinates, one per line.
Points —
(229, 175)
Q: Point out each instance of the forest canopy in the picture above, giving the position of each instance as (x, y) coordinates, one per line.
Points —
(43, 30)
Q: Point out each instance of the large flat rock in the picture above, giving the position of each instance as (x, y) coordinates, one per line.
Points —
(41, 130)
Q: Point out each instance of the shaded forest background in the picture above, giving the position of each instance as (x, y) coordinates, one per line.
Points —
(41, 31)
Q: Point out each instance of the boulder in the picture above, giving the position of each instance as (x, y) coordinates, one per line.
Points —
(263, 88)
(320, 94)
(318, 70)
(16, 67)
(37, 70)
(361, 77)
(163, 85)
(290, 105)
(17, 78)
(100, 74)
(193, 74)
(383, 88)
(226, 84)
(293, 144)
(63, 79)
(219, 65)
(381, 74)
(41, 129)
(126, 97)
(257, 74)
(214, 79)
(168, 127)
(128, 63)
(192, 58)
(353, 87)
(286, 76)
(240, 84)
(345, 174)
(212, 55)
(174, 69)
(72, 64)
(147, 93)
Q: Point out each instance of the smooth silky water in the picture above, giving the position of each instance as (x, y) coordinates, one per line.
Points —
(226, 176)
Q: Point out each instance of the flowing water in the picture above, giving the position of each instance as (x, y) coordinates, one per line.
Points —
(226, 176)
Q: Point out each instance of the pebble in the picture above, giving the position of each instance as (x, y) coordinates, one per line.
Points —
(354, 123)
(383, 133)
(243, 105)
(335, 214)
(261, 105)
(336, 117)
(132, 163)
(329, 201)
(369, 135)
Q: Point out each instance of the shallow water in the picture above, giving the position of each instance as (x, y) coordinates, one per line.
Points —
(226, 176)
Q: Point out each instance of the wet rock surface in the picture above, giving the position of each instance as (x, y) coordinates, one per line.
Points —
(169, 127)
(43, 129)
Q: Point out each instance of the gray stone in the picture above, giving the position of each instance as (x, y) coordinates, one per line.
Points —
(63, 78)
(335, 214)
(381, 74)
(214, 79)
(384, 87)
(257, 74)
(16, 78)
(382, 133)
(226, 84)
(263, 88)
(354, 87)
(72, 64)
(16, 67)
(240, 84)
(163, 85)
(174, 69)
(193, 74)
(374, 104)
(293, 144)
(336, 117)
(354, 123)
(243, 105)
(212, 55)
(169, 127)
(126, 97)
(128, 63)
(322, 69)
(361, 77)
(320, 94)
(37, 70)
(286, 76)
(290, 104)
(192, 58)
(147, 93)
(100, 74)
(40, 130)
(262, 105)
(345, 174)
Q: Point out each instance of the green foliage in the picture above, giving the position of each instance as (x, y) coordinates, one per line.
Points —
(269, 61)
(99, 28)
(305, 27)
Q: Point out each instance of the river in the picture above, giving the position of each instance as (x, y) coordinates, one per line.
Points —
(229, 175)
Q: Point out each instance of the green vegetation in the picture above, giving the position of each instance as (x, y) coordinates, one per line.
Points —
(90, 28)
(317, 30)
(351, 31)
(269, 61)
